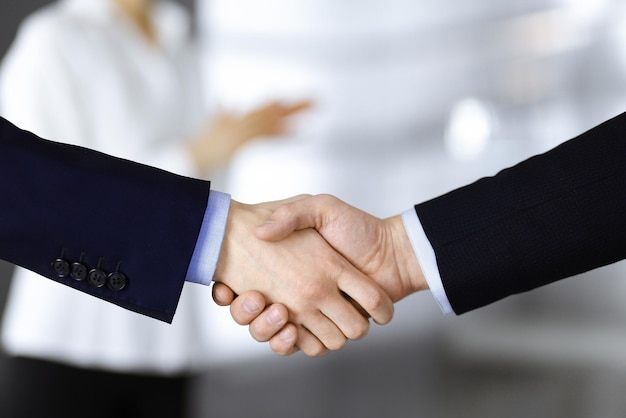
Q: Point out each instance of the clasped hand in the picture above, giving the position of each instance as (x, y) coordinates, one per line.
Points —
(308, 270)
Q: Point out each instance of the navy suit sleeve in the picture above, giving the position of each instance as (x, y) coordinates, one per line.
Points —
(550, 217)
(134, 227)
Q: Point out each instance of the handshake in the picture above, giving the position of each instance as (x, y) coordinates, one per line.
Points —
(306, 273)
(320, 267)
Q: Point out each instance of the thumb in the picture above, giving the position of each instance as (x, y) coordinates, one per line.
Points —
(222, 294)
(287, 218)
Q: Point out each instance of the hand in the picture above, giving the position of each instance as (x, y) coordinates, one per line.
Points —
(228, 132)
(305, 275)
(379, 248)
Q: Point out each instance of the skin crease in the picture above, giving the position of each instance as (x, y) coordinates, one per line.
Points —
(305, 275)
(379, 248)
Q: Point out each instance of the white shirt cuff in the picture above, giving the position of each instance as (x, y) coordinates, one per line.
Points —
(426, 257)
(209, 244)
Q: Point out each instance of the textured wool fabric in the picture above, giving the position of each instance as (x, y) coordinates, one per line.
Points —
(552, 216)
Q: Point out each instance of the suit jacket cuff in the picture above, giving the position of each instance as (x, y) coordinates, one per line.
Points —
(426, 258)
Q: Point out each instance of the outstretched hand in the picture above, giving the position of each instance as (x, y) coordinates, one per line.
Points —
(216, 144)
(379, 248)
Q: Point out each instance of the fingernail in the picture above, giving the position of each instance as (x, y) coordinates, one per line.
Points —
(274, 317)
(286, 335)
(251, 306)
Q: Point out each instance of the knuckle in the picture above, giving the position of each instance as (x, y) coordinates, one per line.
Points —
(327, 199)
(358, 330)
(280, 349)
(302, 196)
(374, 301)
(336, 344)
(317, 351)
(284, 212)
(379, 306)
(313, 290)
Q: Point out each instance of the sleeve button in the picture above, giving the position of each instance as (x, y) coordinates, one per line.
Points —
(97, 278)
(61, 268)
(117, 280)
(78, 272)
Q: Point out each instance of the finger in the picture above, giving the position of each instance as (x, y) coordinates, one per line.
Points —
(276, 204)
(352, 324)
(284, 342)
(327, 330)
(358, 307)
(248, 306)
(291, 216)
(309, 344)
(296, 107)
(272, 235)
(268, 323)
(222, 294)
(368, 295)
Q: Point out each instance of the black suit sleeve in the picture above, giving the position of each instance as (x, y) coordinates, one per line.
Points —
(133, 227)
(550, 217)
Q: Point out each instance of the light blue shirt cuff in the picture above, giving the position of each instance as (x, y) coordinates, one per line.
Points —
(209, 244)
(426, 257)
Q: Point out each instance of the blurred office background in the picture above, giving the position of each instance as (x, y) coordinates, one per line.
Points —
(413, 98)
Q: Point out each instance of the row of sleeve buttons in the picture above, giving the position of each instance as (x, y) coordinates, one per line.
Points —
(96, 277)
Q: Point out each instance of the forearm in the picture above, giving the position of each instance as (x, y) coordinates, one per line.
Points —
(550, 217)
(70, 202)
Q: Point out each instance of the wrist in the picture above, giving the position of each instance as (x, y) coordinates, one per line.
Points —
(223, 265)
(409, 269)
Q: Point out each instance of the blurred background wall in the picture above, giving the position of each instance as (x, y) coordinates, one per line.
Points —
(413, 98)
